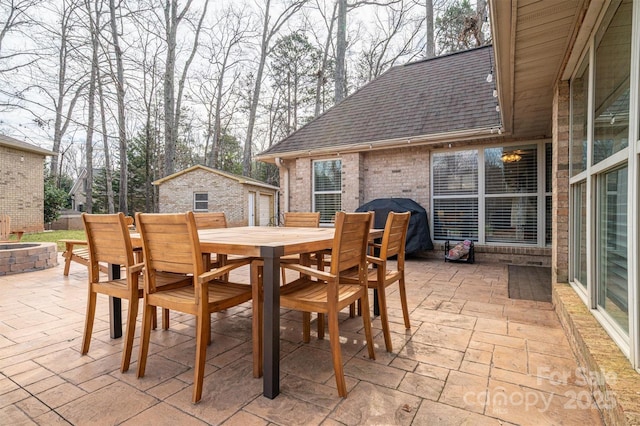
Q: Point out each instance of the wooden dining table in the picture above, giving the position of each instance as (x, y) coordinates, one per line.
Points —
(269, 244)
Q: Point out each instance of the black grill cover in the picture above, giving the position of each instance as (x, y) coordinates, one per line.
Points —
(418, 234)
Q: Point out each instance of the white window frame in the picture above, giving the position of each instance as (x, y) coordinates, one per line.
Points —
(196, 201)
(481, 195)
(314, 192)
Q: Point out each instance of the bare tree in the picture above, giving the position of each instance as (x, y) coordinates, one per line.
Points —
(15, 19)
(94, 25)
(172, 100)
(430, 32)
(269, 29)
(122, 134)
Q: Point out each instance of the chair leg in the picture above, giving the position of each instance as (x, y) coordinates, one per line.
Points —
(132, 315)
(202, 335)
(145, 335)
(336, 353)
(306, 327)
(88, 322)
(384, 318)
(366, 321)
(320, 326)
(165, 319)
(403, 301)
(67, 262)
(256, 320)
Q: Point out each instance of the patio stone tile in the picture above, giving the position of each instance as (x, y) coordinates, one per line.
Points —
(43, 385)
(321, 394)
(7, 385)
(429, 370)
(224, 392)
(522, 405)
(442, 335)
(33, 407)
(495, 326)
(478, 356)
(167, 388)
(475, 368)
(98, 383)
(554, 367)
(403, 363)
(98, 407)
(510, 359)
(435, 413)
(300, 361)
(445, 318)
(547, 334)
(60, 395)
(14, 416)
(561, 385)
(441, 357)
(158, 370)
(466, 391)
(369, 404)
(287, 410)
(374, 372)
(422, 386)
(531, 316)
(499, 340)
(12, 397)
(242, 418)
(163, 414)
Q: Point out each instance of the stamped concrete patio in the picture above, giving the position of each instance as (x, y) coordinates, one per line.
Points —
(473, 356)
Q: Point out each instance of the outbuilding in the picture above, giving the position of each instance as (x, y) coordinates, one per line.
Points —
(244, 201)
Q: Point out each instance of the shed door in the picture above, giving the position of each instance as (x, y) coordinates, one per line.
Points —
(265, 209)
(251, 209)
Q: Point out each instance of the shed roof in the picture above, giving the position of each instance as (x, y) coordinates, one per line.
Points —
(438, 97)
(240, 179)
(23, 146)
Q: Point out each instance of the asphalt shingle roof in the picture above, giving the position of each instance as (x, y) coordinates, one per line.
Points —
(438, 95)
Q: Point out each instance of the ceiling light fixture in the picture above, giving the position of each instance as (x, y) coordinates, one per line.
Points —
(510, 157)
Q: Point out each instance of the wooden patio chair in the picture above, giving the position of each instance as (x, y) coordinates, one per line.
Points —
(380, 276)
(327, 292)
(6, 232)
(301, 220)
(170, 243)
(78, 251)
(108, 242)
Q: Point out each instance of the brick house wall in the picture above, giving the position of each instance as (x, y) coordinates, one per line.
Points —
(225, 195)
(560, 194)
(22, 188)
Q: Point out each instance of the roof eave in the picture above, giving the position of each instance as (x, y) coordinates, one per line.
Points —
(457, 136)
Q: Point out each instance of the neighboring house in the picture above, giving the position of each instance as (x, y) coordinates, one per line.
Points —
(561, 178)
(78, 192)
(22, 183)
(244, 201)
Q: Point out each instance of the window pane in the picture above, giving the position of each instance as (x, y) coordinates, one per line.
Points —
(613, 64)
(511, 170)
(548, 220)
(580, 228)
(455, 173)
(456, 219)
(328, 205)
(511, 220)
(579, 108)
(201, 201)
(548, 165)
(613, 292)
(327, 175)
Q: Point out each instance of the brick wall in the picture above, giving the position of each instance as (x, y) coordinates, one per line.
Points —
(22, 188)
(560, 195)
(225, 194)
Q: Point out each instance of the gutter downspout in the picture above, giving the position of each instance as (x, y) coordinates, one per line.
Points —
(284, 172)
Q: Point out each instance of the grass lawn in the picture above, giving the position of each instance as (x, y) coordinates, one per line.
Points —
(54, 237)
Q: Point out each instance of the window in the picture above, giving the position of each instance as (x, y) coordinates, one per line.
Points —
(492, 195)
(579, 87)
(200, 202)
(327, 189)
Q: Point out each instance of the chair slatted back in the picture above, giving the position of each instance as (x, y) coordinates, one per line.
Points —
(302, 219)
(350, 241)
(108, 241)
(210, 220)
(170, 242)
(395, 235)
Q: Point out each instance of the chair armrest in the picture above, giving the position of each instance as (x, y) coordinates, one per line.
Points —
(70, 243)
(306, 270)
(223, 270)
(138, 267)
(375, 260)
